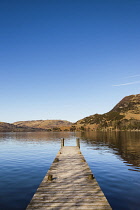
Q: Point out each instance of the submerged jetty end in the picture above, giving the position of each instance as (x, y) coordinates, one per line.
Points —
(69, 184)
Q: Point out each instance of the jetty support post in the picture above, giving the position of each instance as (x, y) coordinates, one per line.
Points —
(78, 142)
(62, 142)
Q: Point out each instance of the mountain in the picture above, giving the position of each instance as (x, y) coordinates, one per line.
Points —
(124, 116)
(7, 127)
(54, 125)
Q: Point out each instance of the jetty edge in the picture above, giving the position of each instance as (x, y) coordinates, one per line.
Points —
(69, 184)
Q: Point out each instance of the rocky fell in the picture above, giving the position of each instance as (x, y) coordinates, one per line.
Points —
(124, 116)
(49, 125)
(7, 127)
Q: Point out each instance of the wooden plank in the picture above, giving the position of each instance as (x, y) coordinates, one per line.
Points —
(71, 207)
(70, 187)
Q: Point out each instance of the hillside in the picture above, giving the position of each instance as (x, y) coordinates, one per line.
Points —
(54, 125)
(7, 127)
(124, 116)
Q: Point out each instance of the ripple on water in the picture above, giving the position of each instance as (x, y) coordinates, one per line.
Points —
(26, 157)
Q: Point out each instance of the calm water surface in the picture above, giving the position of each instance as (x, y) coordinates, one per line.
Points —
(114, 158)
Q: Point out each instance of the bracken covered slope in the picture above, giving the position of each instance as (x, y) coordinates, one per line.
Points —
(7, 127)
(54, 125)
(124, 116)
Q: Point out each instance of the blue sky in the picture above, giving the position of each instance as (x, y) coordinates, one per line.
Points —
(67, 59)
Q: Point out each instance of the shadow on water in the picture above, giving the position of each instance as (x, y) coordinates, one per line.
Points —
(114, 158)
(124, 144)
(36, 136)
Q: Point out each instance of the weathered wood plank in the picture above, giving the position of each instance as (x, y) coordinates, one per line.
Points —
(70, 187)
(72, 207)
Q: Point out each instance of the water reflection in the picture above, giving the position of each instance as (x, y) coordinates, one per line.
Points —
(124, 144)
(113, 157)
(36, 136)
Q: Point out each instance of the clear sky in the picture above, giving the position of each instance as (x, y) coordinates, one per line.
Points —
(67, 59)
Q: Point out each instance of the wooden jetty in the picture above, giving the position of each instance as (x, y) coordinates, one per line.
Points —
(69, 184)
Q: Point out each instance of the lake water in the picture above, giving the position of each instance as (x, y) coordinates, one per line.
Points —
(114, 159)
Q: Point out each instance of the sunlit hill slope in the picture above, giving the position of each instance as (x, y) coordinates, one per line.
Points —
(50, 125)
(7, 127)
(124, 116)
